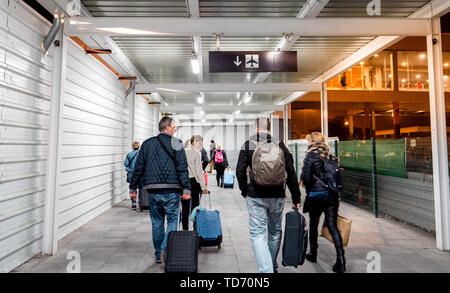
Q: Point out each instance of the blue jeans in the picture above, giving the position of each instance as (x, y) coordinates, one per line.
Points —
(265, 212)
(160, 206)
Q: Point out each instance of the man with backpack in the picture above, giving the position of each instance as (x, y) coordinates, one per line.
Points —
(163, 166)
(261, 173)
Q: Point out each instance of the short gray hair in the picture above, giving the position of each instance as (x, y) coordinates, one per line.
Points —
(263, 123)
(164, 122)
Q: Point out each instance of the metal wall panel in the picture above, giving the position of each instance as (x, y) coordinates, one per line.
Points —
(24, 110)
(95, 135)
(145, 121)
(95, 141)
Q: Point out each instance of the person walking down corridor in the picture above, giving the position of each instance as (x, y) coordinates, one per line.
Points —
(198, 184)
(205, 159)
(261, 173)
(320, 199)
(129, 163)
(212, 147)
(220, 163)
(162, 165)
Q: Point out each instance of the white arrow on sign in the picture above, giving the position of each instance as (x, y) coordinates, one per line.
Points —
(237, 62)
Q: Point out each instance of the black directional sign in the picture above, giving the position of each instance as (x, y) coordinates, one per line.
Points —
(252, 61)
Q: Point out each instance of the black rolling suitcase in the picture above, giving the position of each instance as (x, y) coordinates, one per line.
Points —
(295, 239)
(182, 252)
(143, 202)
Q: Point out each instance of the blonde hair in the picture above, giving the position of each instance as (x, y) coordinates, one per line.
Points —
(135, 145)
(315, 137)
(218, 146)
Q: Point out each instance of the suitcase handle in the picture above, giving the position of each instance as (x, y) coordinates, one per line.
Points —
(209, 197)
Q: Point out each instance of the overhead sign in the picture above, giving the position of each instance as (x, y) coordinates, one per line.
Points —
(252, 61)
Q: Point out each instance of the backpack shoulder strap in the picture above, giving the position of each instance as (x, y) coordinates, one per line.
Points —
(135, 155)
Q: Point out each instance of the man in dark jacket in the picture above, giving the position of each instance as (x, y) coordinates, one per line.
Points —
(163, 166)
(265, 203)
(205, 159)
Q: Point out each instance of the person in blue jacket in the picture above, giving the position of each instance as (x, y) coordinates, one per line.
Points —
(130, 162)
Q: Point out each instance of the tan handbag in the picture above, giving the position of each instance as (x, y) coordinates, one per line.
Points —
(344, 226)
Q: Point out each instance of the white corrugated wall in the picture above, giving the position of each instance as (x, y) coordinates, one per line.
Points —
(25, 78)
(145, 121)
(94, 141)
(94, 136)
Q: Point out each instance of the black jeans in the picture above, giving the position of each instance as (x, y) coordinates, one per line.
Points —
(330, 208)
(220, 170)
(196, 189)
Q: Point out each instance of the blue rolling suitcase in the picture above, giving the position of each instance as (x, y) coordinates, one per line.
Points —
(228, 180)
(209, 227)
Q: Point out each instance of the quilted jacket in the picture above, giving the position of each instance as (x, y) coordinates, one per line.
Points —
(159, 170)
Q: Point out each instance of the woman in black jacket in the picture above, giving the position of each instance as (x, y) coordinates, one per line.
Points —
(320, 200)
(219, 157)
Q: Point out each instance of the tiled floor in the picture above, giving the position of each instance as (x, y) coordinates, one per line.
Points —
(120, 241)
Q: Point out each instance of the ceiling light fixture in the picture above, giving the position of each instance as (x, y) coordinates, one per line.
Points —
(404, 64)
(200, 99)
(248, 98)
(422, 56)
(195, 64)
(202, 112)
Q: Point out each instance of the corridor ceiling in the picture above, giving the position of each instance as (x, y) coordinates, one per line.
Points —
(166, 59)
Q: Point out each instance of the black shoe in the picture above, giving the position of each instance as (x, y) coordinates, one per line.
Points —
(312, 257)
(339, 266)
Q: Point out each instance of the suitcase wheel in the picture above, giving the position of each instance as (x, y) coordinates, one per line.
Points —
(219, 246)
(283, 263)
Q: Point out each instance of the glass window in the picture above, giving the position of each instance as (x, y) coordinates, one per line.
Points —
(374, 73)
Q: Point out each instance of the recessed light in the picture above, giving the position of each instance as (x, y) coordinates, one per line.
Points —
(422, 56)
(404, 64)
(362, 62)
(446, 64)
(390, 75)
(403, 80)
(418, 76)
(376, 55)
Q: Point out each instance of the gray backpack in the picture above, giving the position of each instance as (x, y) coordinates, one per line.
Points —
(268, 164)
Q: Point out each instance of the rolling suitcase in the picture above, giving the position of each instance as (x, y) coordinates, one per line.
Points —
(143, 201)
(182, 252)
(209, 227)
(228, 180)
(295, 240)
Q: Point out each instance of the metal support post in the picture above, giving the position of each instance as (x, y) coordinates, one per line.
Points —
(131, 94)
(286, 123)
(324, 109)
(374, 178)
(439, 136)
(52, 185)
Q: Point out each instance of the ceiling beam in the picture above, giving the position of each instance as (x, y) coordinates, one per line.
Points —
(220, 109)
(312, 8)
(177, 26)
(435, 8)
(227, 87)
